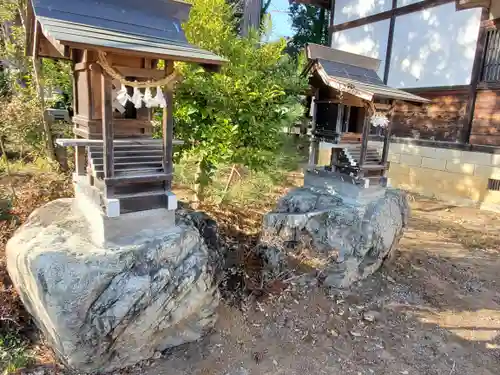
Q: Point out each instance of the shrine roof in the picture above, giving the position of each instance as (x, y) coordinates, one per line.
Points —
(355, 74)
(151, 27)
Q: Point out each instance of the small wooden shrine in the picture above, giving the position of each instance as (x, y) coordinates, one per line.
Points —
(347, 99)
(116, 47)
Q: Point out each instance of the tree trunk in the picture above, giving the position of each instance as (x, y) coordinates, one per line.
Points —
(203, 177)
(251, 16)
(7, 166)
(49, 142)
(320, 27)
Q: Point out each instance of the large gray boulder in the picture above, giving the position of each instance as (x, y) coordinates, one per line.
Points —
(341, 240)
(107, 308)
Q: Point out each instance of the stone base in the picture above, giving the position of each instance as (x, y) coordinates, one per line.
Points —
(341, 233)
(344, 187)
(108, 227)
(103, 308)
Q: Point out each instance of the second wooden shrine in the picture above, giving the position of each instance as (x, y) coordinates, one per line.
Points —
(347, 100)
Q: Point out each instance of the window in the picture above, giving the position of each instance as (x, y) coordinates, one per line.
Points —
(491, 66)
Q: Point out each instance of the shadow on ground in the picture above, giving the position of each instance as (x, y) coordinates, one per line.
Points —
(433, 310)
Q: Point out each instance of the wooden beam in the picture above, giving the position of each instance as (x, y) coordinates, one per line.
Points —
(347, 119)
(107, 126)
(401, 11)
(387, 137)
(140, 72)
(37, 33)
(316, 3)
(82, 66)
(168, 127)
(390, 42)
(469, 4)
(314, 144)
(75, 85)
(127, 52)
(332, 22)
(62, 50)
(30, 24)
(80, 161)
(475, 76)
(67, 142)
(364, 139)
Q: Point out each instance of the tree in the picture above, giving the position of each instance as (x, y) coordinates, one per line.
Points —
(236, 116)
(239, 9)
(310, 24)
(21, 89)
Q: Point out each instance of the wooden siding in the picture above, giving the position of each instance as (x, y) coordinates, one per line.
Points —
(486, 124)
(440, 120)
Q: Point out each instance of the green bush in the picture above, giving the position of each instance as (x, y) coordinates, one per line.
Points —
(236, 116)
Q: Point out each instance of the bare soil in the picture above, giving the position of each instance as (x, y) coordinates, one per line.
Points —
(433, 309)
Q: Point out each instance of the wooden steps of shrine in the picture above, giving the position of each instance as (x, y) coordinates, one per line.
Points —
(152, 193)
(353, 155)
(373, 167)
(127, 152)
(133, 159)
(137, 178)
(130, 172)
(132, 165)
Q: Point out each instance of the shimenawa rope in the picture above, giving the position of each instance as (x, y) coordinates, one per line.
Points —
(169, 80)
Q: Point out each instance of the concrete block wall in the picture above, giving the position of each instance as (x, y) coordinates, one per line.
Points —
(457, 177)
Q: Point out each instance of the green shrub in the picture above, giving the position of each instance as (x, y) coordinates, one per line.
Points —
(236, 116)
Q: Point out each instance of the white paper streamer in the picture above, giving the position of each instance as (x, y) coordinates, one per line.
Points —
(122, 96)
(116, 103)
(137, 98)
(160, 99)
(148, 99)
(379, 120)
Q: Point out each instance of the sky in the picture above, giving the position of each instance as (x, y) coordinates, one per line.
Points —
(281, 21)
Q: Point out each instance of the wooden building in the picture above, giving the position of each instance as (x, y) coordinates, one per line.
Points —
(445, 50)
(349, 99)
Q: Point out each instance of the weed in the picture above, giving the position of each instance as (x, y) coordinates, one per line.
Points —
(14, 353)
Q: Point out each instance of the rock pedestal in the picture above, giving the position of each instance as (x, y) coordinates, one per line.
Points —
(337, 230)
(103, 308)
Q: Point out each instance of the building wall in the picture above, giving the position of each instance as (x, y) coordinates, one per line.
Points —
(369, 40)
(441, 120)
(350, 10)
(433, 47)
(486, 124)
(458, 177)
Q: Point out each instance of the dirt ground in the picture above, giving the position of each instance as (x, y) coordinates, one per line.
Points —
(434, 309)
